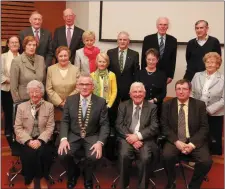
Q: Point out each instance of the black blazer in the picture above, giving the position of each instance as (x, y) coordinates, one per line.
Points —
(197, 121)
(45, 44)
(127, 77)
(98, 125)
(168, 61)
(76, 41)
(149, 125)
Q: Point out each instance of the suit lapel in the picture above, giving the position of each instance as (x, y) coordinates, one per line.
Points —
(42, 36)
(215, 80)
(30, 31)
(191, 113)
(129, 112)
(127, 60)
(27, 63)
(175, 113)
(73, 37)
(202, 79)
(116, 58)
(63, 35)
(144, 113)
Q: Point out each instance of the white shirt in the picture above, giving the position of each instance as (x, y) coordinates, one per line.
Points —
(124, 56)
(205, 90)
(71, 30)
(34, 31)
(159, 39)
(202, 42)
(136, 130)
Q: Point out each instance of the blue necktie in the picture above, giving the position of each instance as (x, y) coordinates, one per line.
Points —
(84, 106)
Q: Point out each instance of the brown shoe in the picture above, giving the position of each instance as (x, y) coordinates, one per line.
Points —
(43, 184)
(31, 185)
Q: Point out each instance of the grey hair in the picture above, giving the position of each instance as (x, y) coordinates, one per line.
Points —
(36, 84)
(125, 33)
(157, 21)
(86, 75)
(137, 84)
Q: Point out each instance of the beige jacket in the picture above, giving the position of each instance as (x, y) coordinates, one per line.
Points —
(6, 61)
(59, 87)
(24, 122)
(22, 72)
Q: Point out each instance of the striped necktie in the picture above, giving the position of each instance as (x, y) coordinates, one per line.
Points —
(181, 124)
(161, 47)
(121, 61)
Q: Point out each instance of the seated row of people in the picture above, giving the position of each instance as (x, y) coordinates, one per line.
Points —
(85, 125)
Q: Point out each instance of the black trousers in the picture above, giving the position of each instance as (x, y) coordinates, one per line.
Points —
(72, 158)
(146, 156)
(7, 105)
(36, 163)
(199, 155)
(215, 132)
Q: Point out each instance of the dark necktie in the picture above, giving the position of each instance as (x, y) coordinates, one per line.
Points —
(161, 47)
(181, 124)
(68, 37)
(36, 35)
(121, 61)
(135, 119)
(84, 106)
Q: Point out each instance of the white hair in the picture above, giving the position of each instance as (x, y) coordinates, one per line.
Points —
(157, 21)
(36, 84)
(125, 33)
(137, 84)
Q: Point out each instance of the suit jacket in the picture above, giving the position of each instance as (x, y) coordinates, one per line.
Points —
(112, 90)
(76, 41)
(24, 122)
(82, 61)
(98, 124)
(149, 126)
(58, 87)
(22, 72)
(5, 72)
(45, 43)
(127, 77)
(197, 121)
(168, 61)
(215, 103)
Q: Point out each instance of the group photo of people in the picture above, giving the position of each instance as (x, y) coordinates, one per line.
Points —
(63, 87)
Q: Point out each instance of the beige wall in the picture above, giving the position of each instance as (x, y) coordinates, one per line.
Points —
(92, 9)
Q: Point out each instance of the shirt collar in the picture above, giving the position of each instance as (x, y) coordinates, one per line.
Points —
(33, 29)
(185, 103)
(159, 36)
(205, 39)
(124, 51)
(11, 54)
(140, 105)
(88, 98)
(72, 27)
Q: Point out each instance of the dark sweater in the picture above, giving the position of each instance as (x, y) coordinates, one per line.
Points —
(155, 84)
(195, 54)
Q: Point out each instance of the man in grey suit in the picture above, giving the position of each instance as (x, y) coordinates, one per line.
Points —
(84, 125)
(137, 127)
(43, 37)
(68, 35)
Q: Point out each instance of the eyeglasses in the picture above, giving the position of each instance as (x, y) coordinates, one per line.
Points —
(85, 84)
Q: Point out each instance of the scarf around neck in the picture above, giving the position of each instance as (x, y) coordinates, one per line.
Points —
(91, 53)
(30, 58)
(104, 74)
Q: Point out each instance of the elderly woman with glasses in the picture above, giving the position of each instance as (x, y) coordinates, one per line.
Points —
(27, 67)
(34, 126)
(208, 86)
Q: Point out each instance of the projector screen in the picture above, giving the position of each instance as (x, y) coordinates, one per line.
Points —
(139, 19)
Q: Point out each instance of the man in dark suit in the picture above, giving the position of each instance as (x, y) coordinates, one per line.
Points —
(43, 37)
(84, 126)
(198, 47)
(185, 125)
(124, 62)
(68, 35)
(165, 44)
(137, 127)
